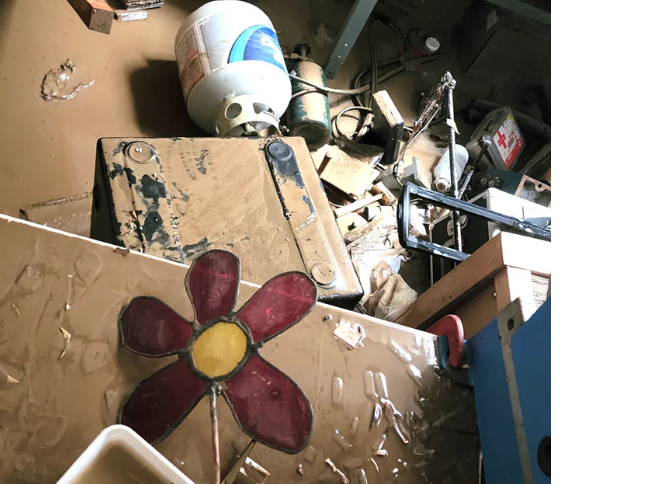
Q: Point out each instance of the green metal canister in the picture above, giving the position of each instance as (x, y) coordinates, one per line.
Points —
(308, 116)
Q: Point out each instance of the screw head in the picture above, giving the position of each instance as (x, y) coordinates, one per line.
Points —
(323, 274)
(141, 152)
(279, 150)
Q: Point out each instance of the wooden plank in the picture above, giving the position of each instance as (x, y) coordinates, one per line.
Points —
(96, 14)
(352, 207)
(387, 197)
(348, 174)
(388, 125)
(527, 253)
(512, 283)
(484, 306)
(509, 285)
(474, 274)
(478, 312)
(541, 286)
(469, 277)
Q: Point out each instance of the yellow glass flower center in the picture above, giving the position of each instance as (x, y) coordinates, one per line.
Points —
(218, 350)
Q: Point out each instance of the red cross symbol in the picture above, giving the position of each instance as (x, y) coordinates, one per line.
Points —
(502, 139)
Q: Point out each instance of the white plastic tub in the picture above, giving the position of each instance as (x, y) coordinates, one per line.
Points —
(130, 443)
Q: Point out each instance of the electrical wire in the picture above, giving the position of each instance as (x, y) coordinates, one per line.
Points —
(329, 90)
(345, 110)
(306, 91)
(358, 77)
(354, 92)
(402, 66)
(364, 72)
(373, 55)
(396, 29)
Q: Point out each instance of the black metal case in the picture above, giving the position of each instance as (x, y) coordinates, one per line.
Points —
(176, 198)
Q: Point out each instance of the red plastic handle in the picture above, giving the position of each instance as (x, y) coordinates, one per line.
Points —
(451, 327)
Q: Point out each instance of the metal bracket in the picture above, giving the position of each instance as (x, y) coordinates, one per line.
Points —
(412, 192)
(303, 217)
(353, 26)
(246, 470)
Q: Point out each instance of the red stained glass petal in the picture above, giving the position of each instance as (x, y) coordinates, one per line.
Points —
(278, 304)
(212, 284)
(160, 402)
(150, 327)
(270, 407)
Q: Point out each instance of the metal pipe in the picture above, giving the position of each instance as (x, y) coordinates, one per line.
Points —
(431, 257)
(215, 432)
(485, 143)
(450, 83)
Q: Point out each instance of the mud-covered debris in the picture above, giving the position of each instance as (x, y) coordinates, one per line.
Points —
(65, 82)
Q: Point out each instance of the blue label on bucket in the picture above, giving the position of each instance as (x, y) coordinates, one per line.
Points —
(258, 43)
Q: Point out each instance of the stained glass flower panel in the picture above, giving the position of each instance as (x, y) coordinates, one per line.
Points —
(150, 327)
(278, 304)
(269, 406)
(161, 401)
(218, 350)
(218, 353)
(213, 283)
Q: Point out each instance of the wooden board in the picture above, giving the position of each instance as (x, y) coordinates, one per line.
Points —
(483, 307)
(351, 176)
(52, 407)
(473, 275)
(478, 312)
(388, 125)
(512, 283)
(359, 204)
(96, 14)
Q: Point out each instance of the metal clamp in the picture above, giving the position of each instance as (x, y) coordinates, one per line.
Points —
(412, 192)
(450, 329)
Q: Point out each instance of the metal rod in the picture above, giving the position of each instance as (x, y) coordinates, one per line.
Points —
(215, 432)
(540, 229)
(485, 144)
(450, 83)
(431, 257)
